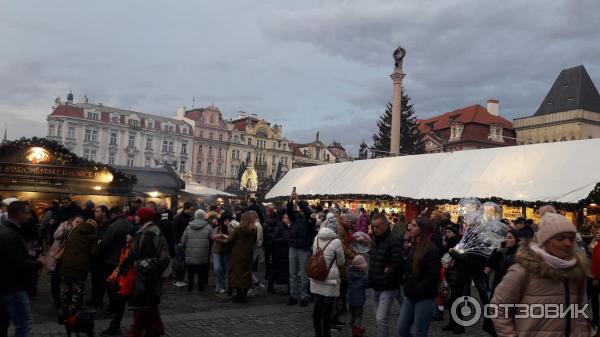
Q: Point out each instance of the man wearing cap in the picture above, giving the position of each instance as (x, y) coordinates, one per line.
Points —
(16, 268)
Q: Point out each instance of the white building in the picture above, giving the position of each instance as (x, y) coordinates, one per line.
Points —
(121, 137)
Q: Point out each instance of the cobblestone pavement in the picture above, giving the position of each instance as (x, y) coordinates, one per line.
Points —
(193, 314)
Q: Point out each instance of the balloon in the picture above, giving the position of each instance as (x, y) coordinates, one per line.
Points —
(485, 232)
(361, 242)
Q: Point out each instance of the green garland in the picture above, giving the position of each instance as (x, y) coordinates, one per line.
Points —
(514, 203)
(63, 157)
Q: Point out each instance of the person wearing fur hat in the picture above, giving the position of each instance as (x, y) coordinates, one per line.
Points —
(549, 271)
(357, 286)
(325, 292)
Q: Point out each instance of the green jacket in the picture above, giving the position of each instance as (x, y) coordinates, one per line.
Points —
(81, 247)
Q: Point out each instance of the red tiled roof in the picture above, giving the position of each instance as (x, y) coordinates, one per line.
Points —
(194, 114)
(296, 149)
(471, 114)
(339, 153)
(240, 124)
(68, 111)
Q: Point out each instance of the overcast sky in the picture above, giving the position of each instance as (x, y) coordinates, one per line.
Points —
(309, 64)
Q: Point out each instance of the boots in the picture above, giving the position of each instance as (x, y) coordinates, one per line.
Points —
(238, 296)
(244, 296)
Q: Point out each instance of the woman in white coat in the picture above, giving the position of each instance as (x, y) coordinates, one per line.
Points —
(327, 290)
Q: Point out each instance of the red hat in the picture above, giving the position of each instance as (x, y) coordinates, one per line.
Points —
(145, 213)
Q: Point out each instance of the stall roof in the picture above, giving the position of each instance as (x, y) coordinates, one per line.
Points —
(153, 179)
(564, 172)
(197, 189)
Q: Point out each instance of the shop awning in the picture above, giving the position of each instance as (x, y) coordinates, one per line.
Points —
(564, 172)
(197, 189)
(149, 180)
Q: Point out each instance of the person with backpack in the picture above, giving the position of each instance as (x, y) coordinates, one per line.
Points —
(149, 256)
(324, 275)
(551, 270)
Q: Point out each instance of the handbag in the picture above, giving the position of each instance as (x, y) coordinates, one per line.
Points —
(61, 249)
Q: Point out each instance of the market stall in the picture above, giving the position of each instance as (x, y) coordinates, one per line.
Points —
(522, 177)
(160, 185)
(38, 171)
(202, 194)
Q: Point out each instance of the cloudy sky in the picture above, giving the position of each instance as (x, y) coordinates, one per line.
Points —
(309, 64)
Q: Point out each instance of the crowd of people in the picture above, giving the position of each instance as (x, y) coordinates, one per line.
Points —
(130, 251)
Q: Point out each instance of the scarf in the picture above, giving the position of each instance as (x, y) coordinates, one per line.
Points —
(552, 260)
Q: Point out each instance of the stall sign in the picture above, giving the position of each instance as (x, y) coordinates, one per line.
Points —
(48, 171)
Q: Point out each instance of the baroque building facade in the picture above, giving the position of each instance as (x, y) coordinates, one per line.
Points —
(469, 128)
(254, 141)
(121, 137)
(318, 153)
(570, 111)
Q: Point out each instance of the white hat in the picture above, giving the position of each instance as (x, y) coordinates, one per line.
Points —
(8, 201)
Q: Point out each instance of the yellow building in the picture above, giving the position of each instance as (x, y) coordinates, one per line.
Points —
(570, 111)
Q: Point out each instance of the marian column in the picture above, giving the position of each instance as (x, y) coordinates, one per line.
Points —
(397, 77)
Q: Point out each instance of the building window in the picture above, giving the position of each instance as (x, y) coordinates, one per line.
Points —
(233, 173)
(71, 132)
(219, 168)
(200, 149)
(199, 167)
(286, 161)
(51, 130)
(88, 135)
(113, 138)
(183, 148)
(201, 134)
(273, 162)
(92, 115)
(86, 154)
(93, 155)
(131, 140)
(182, 166)
(218, 186)
(130, 160)
(248, 156)
(284, 146)
(220, 152)
(210, 151)
(184, 131)
(147, 162)
(133, 122)
(171, 146)
(111, 158)
(237, 155)
(149, 124)
(148, 143)
(115, 119)
(210, 135)
(165, 146)
(209, 168)
(249, 141)
(236, 139)
(232, 154)
(95, 136)
(220, 137)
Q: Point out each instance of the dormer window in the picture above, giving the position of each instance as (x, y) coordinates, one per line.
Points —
(496, 133)
(167, 127)
(92, 115)
(115, 119)
(184, 130)
(149, 124)
(456, 131)
(133, 120)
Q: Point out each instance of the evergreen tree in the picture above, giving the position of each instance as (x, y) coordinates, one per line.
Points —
(411, 138)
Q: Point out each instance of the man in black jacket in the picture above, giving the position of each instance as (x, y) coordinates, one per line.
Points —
(180, 223)
(385, 270)
(301, 240)
(16, 268)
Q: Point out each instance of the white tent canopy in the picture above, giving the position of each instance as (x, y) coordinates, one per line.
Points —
(197, 189)
(562, 172)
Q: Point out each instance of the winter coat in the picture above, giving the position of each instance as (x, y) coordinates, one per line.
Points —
(363, 223)
(532, 281)
(595, 265)
(166, 228)
(334, 257)
(114, 240)
(68, 213)
(269, 229)
(500, 261)
(60, 234)
(455, 273)
(80, 248)
(240, 272)
(16, 265)
(222, 248)
(125, 283)
(386, 252)
(149, 256)
(302, 230)
(357, 286)
(280, 269)
(180, 223)
(424, 284)
(196, 242)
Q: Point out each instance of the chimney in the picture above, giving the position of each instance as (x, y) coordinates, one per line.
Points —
(180, 112)
(493, 107)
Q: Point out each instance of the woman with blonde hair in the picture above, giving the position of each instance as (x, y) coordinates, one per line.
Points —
(242, 239)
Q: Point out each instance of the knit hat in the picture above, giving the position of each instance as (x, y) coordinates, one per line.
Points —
(552, 224)
(360, 263)
(331, 224)
(200, 214)
(145, 213)
(349, 217)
